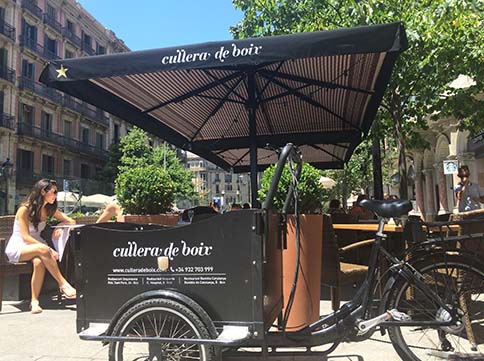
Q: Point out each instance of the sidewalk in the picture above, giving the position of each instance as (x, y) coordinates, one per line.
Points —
(51, 336)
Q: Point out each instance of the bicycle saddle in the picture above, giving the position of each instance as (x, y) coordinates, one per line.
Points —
(387, 209)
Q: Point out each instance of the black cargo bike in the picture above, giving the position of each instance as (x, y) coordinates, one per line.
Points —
(201, 290)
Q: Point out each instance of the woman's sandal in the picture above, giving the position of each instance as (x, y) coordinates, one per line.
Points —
(35, 307)
(68, 291)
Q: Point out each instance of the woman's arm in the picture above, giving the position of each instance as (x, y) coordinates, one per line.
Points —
(63, 218)
(23, 220)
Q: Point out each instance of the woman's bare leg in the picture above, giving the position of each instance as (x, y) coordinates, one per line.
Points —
(37, 278)
(43, 252)
(36, 284)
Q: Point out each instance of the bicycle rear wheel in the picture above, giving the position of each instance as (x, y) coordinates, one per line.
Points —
(459, 281)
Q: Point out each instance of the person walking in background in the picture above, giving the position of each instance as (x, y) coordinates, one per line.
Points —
(469, 195)
(26, 244)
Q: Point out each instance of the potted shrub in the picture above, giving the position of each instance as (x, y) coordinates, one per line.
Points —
(149, 180)
(305, 308)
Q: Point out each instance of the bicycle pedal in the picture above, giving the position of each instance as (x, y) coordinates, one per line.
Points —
(399, 316)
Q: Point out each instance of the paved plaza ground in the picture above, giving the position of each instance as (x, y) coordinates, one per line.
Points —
(52, 336)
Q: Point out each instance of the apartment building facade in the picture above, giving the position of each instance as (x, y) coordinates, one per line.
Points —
(214, 184)
(45, 133)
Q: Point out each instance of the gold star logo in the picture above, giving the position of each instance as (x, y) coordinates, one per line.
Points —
(62, 72)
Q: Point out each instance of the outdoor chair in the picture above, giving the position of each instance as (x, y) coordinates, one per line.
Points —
(335, 273)
(347, 237)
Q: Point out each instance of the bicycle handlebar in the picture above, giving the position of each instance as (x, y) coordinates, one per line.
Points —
(289, 150)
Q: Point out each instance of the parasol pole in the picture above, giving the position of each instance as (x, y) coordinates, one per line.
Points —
(252, 107)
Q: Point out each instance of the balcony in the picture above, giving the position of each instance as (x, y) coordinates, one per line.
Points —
(26, 129)
(7, 74)
(7, 30)
(40, 89)
(7, 121)
(32, 45)
(52, 22)
(32, 7)
(87, 49)
(80, 107)
(69, 35)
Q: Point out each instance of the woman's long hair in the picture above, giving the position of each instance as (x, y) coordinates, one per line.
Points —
(35, 201)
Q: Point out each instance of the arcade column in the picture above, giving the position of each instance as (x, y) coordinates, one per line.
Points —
(429, 194)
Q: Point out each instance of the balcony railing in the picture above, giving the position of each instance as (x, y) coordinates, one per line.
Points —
(32, 44)
(40, 89)
(26, 129)
(50, 55)
(7, 30)
(7, 121)
(96, 115)
(52, 22)
(7, 74)
(68, 34)
(80, 107)
(32, 8)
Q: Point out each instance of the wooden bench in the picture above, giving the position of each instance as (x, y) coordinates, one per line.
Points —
(7, 268)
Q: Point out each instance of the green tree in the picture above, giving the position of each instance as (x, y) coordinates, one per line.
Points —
(445, 38)
(110, 171)
(311, 194)
(150, 178)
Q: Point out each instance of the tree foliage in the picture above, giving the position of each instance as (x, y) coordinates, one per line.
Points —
(445, 38)
(311, 194)
(150, 178)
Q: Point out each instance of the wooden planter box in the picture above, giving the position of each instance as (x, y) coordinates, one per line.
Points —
(167, 219)
(86, 219)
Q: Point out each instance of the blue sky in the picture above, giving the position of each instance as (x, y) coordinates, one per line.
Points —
(148, 24)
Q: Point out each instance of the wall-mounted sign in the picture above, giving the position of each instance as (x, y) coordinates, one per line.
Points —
(451, 166)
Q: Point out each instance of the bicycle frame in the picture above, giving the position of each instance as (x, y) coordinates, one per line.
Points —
(343, 323)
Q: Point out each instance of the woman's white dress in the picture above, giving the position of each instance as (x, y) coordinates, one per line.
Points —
(16, 242)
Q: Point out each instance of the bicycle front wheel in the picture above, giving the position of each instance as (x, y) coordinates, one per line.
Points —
(459, 281)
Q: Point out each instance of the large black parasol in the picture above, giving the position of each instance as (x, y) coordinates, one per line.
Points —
(225, 101)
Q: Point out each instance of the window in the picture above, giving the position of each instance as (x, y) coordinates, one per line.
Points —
(99, 140)
(28, 69)
(228, 178)
(85, 135)
(25, 160)
(116, 133)
(100, 50)
(51, 11)
(69, 54)
(26, 114)
(67, 165)
(46, 124)
(47, 164)
(50, 46)
(67, 128)
(29, 34)
(70, 27)
(228, 186)
(85, 171)
(217, 189)
(86, 42)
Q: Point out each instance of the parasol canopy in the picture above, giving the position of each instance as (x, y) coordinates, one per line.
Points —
(225, 101)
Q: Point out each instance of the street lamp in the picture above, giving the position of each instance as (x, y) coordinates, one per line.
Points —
(7, 168)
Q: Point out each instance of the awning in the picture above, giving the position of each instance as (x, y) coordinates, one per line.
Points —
(225, 101)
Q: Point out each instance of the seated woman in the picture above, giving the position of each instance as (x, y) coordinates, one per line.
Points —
(25, 244)
(335, 207)
(360, 212)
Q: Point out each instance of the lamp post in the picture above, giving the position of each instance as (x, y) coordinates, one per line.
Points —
(7, 168)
